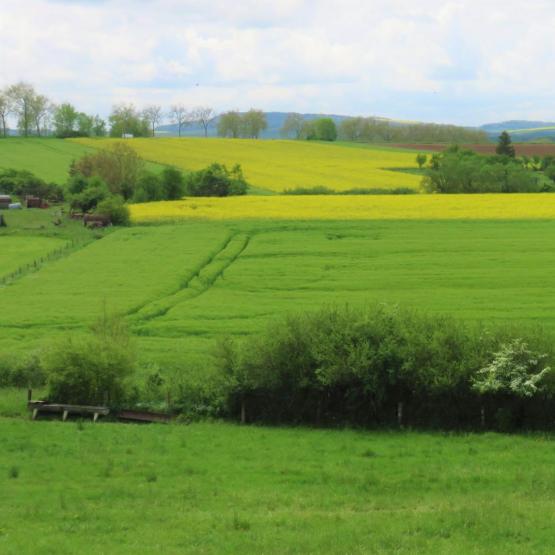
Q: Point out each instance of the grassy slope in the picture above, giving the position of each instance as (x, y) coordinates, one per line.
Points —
(212, 488)
(47, 158)
(185, 285)
(279, 165)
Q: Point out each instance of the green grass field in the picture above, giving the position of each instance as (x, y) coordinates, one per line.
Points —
(48, 158)
(217, 489)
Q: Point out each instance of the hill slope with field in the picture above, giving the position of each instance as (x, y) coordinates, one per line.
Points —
(280, 165)
(48, 159)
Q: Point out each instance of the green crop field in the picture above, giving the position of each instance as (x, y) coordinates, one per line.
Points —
(221, 489)
(183, 286)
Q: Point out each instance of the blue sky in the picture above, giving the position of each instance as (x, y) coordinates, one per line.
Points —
(466, 62)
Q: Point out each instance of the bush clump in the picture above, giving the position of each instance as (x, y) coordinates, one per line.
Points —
(22, 183)
(94, 369)
(343, 365)
(114, 208)
(216, 181)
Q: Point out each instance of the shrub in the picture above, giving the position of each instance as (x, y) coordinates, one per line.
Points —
(149, 188)
(515, 369)
(216, 181)
(173, 184)
(22, 183)
(355, 366)
(94, 369)
(93, 192)
(464, 171)
(115, 208)
(119, 166)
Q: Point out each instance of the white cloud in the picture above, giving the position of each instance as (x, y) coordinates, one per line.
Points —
(463, 60)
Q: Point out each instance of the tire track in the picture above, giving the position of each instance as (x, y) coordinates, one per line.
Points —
(197, 284)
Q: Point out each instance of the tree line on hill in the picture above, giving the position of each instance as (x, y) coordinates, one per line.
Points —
(38, 115)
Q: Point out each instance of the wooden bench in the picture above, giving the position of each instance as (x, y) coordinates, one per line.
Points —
(65, 410)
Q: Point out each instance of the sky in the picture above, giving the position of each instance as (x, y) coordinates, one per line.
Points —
(466, 62)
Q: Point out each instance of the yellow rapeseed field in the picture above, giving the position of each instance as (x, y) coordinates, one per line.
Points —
(352, 207)
(279, 165)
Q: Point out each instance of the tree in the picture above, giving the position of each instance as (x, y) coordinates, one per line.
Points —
(119, 166)
(5, 109)
(65, 118)
(99, 127)
(173, 184)
(204, 116)
(180, 116)
(421, 159)
(85, 125)
(230, 124)
(325, 129)
(505, 146)
(253, 123)
(292, 125)
(126, 120)
(22, 96)
(153, 114)
(40, 109)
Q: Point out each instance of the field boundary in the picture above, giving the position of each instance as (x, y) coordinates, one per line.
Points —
(70, 247)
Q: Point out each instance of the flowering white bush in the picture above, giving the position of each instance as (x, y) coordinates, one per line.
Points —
(514, 369)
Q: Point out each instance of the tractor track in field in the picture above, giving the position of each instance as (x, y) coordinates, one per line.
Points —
(197, 283)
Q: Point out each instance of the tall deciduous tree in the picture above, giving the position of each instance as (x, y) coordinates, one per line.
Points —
(292, 126)
(230, 124)
(41, 108)
(5, 109)
(126, 120)
(153, 114)
(180, 116)
(253, 123)
(204, 116)
(65, 118)
(22, 96)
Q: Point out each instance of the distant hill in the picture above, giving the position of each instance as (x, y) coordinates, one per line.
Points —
(523, 130)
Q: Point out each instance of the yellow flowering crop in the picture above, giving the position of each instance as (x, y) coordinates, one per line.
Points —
(352, 207)
(279, 165)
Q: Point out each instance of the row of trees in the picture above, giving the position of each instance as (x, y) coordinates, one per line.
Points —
(248, 125)
(297, 127)
(37, 115)
(383, 131)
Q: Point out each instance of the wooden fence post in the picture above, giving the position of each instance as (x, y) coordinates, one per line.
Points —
(243, 411)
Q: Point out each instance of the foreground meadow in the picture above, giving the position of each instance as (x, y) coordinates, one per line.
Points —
(213, 488)
(280, 165)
